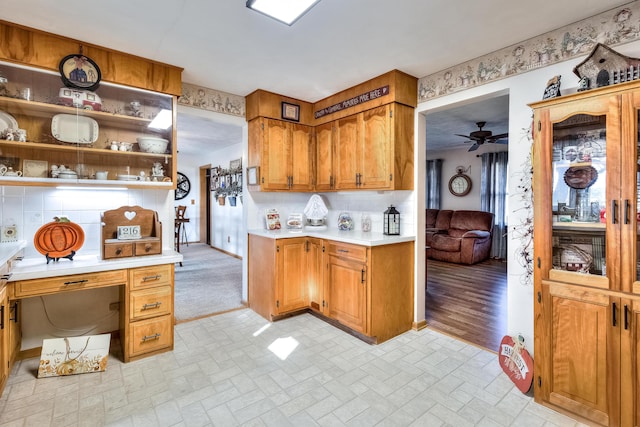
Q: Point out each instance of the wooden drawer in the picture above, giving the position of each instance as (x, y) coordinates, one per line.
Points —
(114, 248)
(28, 288)
(346, 250)
(148, 247)
(118, 250)
(148, 277)
(150, 302)
(150, 335)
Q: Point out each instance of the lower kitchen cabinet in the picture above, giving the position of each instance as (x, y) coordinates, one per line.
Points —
(278, 274)
(147, 318)
(5, 361)
(346, 285)
(592, 350)
(368, 290)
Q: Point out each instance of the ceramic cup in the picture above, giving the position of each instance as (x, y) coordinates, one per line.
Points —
(102, 175)
(3, 169)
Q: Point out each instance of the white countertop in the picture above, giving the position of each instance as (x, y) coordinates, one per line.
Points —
(37, 268)
(354, 236)
(10, 249)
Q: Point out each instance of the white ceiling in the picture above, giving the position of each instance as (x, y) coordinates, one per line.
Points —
(223, 45)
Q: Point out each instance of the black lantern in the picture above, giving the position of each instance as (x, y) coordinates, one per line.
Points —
(391, 226)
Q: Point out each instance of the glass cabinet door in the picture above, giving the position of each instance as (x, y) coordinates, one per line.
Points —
(51, 134)
(579, 194)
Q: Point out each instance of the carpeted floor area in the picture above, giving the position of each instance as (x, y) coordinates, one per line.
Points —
(208, 282)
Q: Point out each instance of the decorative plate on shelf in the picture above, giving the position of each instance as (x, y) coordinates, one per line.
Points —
(74, 129)
(7, 121)
(580, 177)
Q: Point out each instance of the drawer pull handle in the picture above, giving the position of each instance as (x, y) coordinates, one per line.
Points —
(1, 316)
(6, 276)
(76, 282)
(150, 337)
(149, 306)
(118, 251)
(147, 247)
(343, 251)
(147, 278)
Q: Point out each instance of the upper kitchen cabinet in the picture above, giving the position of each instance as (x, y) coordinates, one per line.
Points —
(287, 154)
(374, 149)
(58, 127)
(362, 138)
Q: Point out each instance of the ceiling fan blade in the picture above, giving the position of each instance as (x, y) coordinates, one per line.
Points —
(474, 147)
(502, 141)
(464, 136)
(499, 136)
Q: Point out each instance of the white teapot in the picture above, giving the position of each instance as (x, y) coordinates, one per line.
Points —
(11, 172)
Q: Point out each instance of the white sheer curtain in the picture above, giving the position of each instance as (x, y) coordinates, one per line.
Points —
(434, 173)
(493, 198)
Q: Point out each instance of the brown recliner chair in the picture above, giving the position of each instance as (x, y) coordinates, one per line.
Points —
(437, 222)
(467, 240)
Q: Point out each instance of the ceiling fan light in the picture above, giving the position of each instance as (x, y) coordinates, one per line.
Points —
(285, 11)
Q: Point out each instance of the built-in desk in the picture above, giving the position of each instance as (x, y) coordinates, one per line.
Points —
(146, 295)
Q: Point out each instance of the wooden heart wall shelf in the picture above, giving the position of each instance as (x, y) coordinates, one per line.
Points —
(150, 241)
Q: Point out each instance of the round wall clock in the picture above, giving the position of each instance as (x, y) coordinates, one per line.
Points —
(183, 186)
(79, 72)
(460, 184)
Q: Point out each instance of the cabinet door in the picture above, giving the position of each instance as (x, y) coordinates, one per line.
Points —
(301, 161)
(577, 187)
(583, 344)
(347, 133)
(291, 293)
(347, 292)
(314, 274)
(275, 154)
(15, 331)
(375, 149)
(324, 157)
(630, 363)
(4, 336)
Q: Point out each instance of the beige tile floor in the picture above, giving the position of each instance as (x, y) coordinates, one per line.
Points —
(233, 369)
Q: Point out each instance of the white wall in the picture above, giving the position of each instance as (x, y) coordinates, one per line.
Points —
(74, 313)
(522, 89)
(451, 159)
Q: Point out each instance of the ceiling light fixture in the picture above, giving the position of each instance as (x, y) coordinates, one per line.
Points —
(285, 11)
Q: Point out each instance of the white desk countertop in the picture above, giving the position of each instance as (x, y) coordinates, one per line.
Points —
(354, 236)
(37, 268)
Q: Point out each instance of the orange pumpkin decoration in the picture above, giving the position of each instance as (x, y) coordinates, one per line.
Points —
(59, 239)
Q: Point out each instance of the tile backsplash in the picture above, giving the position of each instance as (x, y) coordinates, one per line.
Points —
(26, 209)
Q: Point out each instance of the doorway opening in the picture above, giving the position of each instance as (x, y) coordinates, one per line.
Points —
(466, 301)
(210, 279)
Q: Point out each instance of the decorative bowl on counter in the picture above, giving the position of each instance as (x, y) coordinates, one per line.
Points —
(151, 144)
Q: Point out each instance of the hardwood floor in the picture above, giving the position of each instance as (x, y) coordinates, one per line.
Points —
(468, 301)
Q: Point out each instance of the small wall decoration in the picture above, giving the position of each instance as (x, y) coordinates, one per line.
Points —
(74, 355)
(553, 88)
(183, 186)
(253, 175)
(291, 112)
(80, 72)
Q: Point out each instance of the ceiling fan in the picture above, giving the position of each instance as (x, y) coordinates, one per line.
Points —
(479, 137)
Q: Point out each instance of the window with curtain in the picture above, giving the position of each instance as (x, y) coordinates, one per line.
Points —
(493, 198)
(434, 173)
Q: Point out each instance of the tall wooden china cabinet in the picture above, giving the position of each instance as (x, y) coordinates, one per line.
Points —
(586, 255)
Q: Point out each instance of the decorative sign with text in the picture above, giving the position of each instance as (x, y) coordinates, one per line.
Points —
(352, 102)
(74, 355)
